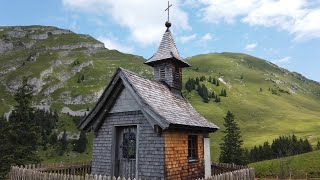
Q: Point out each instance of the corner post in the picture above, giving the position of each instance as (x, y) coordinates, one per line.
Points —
(207, 160)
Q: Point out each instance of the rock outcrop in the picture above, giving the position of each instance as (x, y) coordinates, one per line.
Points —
(5, 46)
(77, 46)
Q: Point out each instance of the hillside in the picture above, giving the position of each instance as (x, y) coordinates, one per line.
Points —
(261, 114)
(69, 72)
(299, 166)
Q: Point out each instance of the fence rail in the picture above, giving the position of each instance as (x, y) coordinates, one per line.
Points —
(81, 171)
(242, 174)
(18, 173)
(78, 168)
(219, 168)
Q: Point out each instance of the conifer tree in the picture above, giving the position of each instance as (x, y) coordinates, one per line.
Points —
(306, 146)
(230, 147)
(217, 84)
(197, 81)
(217, 99)
(214, 81)
(82, 77)
(318, 145)
(221, 92)
(56, 115)
(199, 90)
(19, 135)
(81, 143)
(205, 93)
(63, 143)
(53, 139)
(213, 96)
(6, 157)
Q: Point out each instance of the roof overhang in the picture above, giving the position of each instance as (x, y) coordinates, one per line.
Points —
(99, 113)
(175, 60)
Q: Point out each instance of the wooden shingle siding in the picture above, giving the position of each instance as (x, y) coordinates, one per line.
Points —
(167, 50)
(173, 76)
(150, 152)
(177, 165)
(124, 103)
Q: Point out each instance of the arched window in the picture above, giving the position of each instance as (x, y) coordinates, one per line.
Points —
(129, 145)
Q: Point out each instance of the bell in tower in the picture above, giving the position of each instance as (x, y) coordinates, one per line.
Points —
(167, 62)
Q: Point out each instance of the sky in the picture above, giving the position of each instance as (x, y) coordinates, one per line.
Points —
(285, 32)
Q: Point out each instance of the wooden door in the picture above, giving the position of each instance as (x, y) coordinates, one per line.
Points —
(126, 152)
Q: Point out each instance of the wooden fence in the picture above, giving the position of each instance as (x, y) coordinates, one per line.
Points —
(242, 174)
(219, 168)
(18, 173)
(78, 168)
(81, 171)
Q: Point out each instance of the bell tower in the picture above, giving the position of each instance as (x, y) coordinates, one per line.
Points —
(167, 62)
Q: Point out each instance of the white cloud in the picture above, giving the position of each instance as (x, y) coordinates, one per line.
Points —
(308, 27)
(284, 60)
(185, 39)
(298, 17)
(113, 45)
(250, 47)
(144, 18)
(206, 37)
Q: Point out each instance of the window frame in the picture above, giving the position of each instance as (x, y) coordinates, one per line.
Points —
(129, 145)
(192, 147)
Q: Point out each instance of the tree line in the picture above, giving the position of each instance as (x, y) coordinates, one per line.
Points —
(204, 93)
(27, 130)
(282, 146)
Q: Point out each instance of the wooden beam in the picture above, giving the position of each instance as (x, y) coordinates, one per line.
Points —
(85, 123)
(109, 102)
(152, 116)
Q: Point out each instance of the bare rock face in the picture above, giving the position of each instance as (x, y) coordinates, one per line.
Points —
(30, 48)
(69, 111)
(53, 88)
(8, 69)
(39, 36)
(14, 85)
(63, 76)
(36, 84)
(77, 46)
(44, 104)
(70, 135)
(28, 45)
(5, 46)
(91, 98)
(16, 34)
(59, 31)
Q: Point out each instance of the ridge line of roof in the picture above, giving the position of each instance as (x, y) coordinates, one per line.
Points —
(142, 99)
(134, 73)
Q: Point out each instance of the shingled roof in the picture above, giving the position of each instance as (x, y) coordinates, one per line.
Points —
(167, 50)
(157, 102)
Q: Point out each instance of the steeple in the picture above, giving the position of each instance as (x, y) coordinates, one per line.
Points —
(167, 62)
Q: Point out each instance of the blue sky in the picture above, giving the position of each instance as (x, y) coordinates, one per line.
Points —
(285, 32)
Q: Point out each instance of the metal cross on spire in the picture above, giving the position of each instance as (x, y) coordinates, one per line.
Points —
(168, 8)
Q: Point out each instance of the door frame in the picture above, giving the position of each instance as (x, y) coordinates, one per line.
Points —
(114, 148)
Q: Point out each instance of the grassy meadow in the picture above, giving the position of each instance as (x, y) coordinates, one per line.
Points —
(299, 166)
